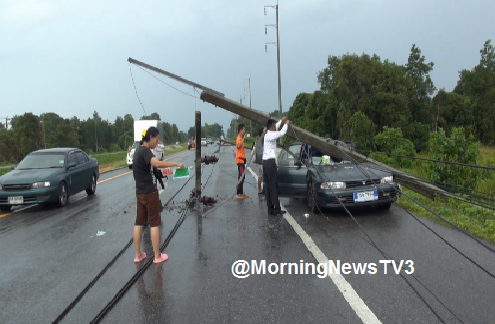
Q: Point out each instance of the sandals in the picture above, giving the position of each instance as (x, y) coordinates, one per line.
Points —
(163, 257)
(143, 256)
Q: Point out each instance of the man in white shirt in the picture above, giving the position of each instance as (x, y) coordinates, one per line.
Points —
(270, 165)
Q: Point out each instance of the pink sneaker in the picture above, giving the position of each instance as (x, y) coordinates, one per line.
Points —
(163, 257)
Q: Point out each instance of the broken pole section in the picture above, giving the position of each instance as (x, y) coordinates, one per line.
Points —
(197, 125)
(323, 145)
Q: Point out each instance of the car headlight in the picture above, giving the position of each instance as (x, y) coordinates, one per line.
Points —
(388, 179)
(38, 185)
(333, 185)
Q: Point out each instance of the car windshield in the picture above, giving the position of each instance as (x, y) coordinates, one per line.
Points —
(42, 161)
(316, 157)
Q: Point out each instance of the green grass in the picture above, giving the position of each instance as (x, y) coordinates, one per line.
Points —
(107, 158)
(478, 221)
(4, 171)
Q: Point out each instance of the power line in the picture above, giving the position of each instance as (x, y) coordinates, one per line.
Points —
(431, 160)
(136, 89)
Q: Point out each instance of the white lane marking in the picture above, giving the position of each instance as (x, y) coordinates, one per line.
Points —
(160, 191)
(352, 297)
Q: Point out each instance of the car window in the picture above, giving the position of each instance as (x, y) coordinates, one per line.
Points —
(73, 158)
(81, 157)
(295, 150)
(42, 161)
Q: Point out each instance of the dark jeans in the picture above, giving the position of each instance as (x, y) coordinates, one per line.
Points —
(240, 187)
(271, 185)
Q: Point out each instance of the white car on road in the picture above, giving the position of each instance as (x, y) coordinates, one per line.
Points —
(204, 142)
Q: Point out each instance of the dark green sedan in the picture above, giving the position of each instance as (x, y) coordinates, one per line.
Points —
(49, 176)
(334, 183)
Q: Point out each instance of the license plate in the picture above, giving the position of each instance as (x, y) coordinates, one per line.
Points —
(16, 200)
(365, 196)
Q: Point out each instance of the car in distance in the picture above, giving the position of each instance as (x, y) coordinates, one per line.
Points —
(333, 183)
(49, 176)
(204, 142)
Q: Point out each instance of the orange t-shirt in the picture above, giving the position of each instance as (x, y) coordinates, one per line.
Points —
(240, 152)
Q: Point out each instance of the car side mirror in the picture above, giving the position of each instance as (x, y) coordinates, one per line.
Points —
(71, 165)
(13, 166)
(297, 162)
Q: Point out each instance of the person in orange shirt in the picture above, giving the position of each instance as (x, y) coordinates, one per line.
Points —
(240, 156)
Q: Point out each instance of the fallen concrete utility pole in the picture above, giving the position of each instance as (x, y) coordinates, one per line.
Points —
(173, 76)
(323, 145)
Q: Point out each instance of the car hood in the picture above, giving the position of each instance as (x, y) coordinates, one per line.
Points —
(351, 172)
(28, 176)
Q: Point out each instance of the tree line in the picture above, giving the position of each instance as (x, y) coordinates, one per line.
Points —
(29, 132)
(376, 94)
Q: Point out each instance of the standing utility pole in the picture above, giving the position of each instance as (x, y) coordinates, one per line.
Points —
(277, 43)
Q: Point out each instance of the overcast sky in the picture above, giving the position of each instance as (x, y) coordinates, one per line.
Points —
(70, 56)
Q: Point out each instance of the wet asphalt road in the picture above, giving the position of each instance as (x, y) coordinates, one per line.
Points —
(50, 255)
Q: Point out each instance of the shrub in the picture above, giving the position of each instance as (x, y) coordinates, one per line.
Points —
(458, 149)
(391, 141)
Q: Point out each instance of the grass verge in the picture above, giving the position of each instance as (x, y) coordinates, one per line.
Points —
(475, 220)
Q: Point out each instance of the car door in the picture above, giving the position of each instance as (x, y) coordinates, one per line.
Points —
(74, 174)
(291, 177)
(84, 169)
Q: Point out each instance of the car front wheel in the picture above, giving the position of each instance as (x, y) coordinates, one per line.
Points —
(313, 205)
(63, 195)
(92, 189)
(385, 206)
(5, 207)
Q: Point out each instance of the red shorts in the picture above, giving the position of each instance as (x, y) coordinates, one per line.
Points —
(148, 209)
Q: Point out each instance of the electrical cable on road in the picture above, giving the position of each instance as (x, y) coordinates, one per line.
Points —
(416, 218)
(371, 242)
(138, 274)
(86, 289)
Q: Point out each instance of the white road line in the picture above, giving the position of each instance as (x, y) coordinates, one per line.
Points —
(357, 304)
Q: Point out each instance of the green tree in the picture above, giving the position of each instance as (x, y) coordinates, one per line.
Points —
(421, 86)
(63, 136)
(362, 131)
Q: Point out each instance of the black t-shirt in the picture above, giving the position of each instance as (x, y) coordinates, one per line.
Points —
(143, 171)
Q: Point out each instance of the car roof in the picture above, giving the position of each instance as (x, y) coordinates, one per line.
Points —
(56, 150)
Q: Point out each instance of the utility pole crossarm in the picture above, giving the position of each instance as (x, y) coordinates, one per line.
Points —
(173, 76)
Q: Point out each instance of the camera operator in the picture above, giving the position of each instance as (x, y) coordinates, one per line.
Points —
(148, 206)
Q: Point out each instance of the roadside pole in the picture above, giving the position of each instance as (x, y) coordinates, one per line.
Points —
(198, 157)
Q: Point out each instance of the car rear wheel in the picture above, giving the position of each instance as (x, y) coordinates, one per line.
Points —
(63, 195)
(92, 189)
(5, 207)
(313, 205)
